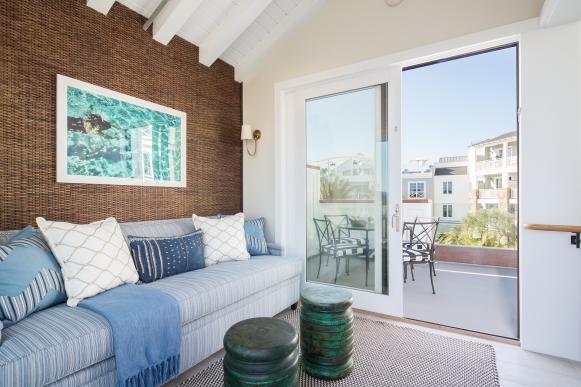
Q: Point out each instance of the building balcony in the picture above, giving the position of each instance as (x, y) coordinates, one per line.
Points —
(496, 194)
(497, 163)
(488, 194)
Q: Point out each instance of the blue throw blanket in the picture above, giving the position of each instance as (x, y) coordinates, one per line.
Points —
(146, 333)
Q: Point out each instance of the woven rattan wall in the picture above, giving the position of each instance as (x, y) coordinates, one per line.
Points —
(40, 39)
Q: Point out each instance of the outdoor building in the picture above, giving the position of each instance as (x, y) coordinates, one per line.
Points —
(417, 194)
(492, 167)
(451, 190)
(357, 170)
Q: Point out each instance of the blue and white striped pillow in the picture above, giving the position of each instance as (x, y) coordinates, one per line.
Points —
(31, 278)
(255, 239)
(157, 258)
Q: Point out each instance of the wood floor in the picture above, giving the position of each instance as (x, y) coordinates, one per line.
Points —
(516, 366)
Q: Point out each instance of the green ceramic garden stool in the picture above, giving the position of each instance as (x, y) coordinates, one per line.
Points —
(326, 332)
(261, 352)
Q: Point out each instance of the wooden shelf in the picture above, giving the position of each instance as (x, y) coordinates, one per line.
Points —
(553, 227)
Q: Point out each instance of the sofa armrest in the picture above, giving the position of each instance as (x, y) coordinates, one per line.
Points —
(274, 248)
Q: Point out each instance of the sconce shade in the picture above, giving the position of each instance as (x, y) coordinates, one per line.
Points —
(246, 132)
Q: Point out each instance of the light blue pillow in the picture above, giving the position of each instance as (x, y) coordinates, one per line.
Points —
(31, 278)
(26, 232)
(255, 239)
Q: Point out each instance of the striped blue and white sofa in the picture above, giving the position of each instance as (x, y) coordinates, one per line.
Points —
(63, 346)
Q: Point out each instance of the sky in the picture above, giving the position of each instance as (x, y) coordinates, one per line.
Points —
(341, 125)
(445, 108)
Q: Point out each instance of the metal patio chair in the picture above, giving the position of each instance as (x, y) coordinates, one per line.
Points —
(420, 246)
(333, 246)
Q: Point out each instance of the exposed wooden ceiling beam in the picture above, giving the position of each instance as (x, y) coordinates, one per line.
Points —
(299, 15)
(557, 12)
(172, 17)
(102, 6)
(231, 27)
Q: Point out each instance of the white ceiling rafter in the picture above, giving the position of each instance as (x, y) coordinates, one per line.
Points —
(102, 6)
(300, 13)
(557, 12)
(240, 32)
(238, 19)
(172, 18)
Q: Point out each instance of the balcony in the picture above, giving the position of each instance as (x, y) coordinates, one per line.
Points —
(489, 164)
(496, 194)
(511, 161)
(476, 288)
(488, 194)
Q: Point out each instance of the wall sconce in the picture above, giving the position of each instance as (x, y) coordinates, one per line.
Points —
(247, 134)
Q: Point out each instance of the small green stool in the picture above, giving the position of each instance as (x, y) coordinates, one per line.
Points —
(326, 332)
(261, 352)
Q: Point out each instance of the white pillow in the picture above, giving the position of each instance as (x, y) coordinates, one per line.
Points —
(93, 257)
(224, 238)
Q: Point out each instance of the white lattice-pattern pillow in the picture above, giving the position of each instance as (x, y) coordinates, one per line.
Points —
(224, 238)
(93, 257)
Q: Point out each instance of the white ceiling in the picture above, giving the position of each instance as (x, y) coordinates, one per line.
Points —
(557, 12)
(243, 50)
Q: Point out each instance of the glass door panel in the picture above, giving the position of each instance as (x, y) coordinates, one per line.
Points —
(346, 189)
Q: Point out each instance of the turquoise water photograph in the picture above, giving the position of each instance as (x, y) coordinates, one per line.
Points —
(105, 137)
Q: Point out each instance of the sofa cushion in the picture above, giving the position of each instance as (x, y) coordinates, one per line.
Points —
(224, 239)
(94, 257)
(30, 279)
(161, 257)
(255, 239)
(159, 228)
(52, 344)
(205, 291)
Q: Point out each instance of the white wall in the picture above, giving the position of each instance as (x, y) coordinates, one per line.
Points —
(411, 211)
(551, 189)
(344, 32)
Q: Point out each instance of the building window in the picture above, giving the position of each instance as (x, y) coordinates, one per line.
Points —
(447, 211)
(417, 189)
(447, 187)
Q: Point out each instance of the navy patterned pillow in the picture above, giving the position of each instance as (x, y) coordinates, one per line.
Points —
(157, 258)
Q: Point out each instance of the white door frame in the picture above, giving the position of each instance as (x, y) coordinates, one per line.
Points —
(293, 240)
(290, 153)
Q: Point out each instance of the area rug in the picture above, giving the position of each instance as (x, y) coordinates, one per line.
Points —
(387, 354)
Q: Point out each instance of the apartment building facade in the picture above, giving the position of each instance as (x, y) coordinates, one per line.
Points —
(493, 172)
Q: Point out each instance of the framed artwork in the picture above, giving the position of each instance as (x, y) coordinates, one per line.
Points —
(105, 137)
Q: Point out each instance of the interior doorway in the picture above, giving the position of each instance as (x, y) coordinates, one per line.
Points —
(460, 173)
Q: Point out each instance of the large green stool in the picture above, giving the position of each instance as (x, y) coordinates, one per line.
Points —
(326, 332)
(261, 352)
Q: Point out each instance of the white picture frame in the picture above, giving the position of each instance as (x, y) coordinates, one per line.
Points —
(135, 166)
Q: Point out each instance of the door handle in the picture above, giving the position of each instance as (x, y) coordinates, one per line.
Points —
(395, 218)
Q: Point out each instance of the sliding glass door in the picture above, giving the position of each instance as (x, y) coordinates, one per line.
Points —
(351, 171)
(346, 189)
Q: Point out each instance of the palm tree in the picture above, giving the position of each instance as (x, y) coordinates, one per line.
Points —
(488, 228)
(335, 187)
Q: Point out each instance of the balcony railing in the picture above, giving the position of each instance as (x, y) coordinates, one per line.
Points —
(497, 163)
(489, 164)
(487, 194)
(494, 194)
